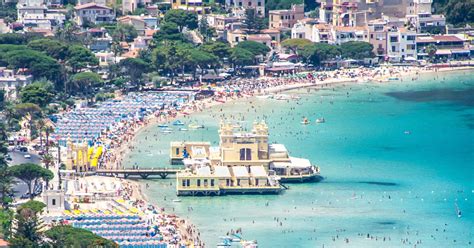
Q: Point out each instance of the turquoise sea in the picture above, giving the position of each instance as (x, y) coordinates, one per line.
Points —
(397, 159)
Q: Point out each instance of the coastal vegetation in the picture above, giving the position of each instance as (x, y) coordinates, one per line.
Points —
(31, 174)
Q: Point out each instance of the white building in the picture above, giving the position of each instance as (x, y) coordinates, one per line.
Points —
(312, 30)
(258, 5)
(401, 44)
(94, 13)
(346, 34)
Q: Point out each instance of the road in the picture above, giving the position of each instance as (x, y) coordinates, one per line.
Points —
(20, 187)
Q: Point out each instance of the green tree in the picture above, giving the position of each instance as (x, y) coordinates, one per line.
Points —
(134, 69)
(241, 57)
(31, 112)
(52, 48)
(206, 31)
(431, 51)
(6, 220)
(6, 180)
(39, 93)
(182, 18)
(253, 22)
(124, 32)
(254, 47)
(319, 52)
(169, 31)
(202, 60)
(79, 58)
(167, 58)
(296, 45)
(28, 225)
(39, 64)
(31, 174)
(357, 50)
(459, 12)
(85, 83)
(219, 49)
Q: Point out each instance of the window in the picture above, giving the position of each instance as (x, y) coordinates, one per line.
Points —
(256, 182)
(53, 202)
(240, 4)
(188, 182)
(205, 182)
(177, 151)
(393, 39)
(245, 154)
(212, 182)
(411, 37)
(199, 182)
(371, 36)
(183, 183)
(250, 3)
(238, 182)
(259, 4)
(393, 48)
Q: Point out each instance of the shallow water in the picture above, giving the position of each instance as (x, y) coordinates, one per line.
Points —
(399, 187)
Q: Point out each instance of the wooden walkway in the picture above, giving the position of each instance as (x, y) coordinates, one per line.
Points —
(143, 173)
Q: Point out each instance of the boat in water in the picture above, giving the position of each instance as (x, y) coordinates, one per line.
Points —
(236, 241)
(320, 120)
(178, 123)
(305, 121)
(162, 125)
(195, 126)
(183, 129)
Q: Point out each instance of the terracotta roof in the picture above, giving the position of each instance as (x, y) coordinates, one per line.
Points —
(150, 32)
(439, 38)
(91, 5)
(138, 18)
(259, 37)
(349, 29)
(270, 31)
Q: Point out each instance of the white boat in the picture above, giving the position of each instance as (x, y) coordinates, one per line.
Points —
(183, 129)
(177, 200)
(166, 131)
(162, 125)
(295, 97)
(320, 120)
(305, 121)
(283, 97)
(195, 126)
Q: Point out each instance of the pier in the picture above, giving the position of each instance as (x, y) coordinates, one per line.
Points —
(143, 173)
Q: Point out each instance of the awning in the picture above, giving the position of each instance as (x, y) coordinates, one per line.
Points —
(443, 52)
(461, 51)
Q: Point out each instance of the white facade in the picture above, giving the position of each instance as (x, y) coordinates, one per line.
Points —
(401, 44)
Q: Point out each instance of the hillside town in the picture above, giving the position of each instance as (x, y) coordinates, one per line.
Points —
(80, 78)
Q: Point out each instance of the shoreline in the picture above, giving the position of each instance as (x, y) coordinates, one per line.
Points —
(200, 105)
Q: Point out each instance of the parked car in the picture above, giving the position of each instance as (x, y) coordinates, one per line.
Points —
(27, 156)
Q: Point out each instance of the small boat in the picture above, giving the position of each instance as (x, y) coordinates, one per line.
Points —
(393, 78)
(178, 123)
(294, 97)
(183, 129)
(458, 211)
(305, 121)
(320, 120)
(195, 126)
(282, 97)
(166, 131)
(407, 132)
(177, 200)
(162, 125)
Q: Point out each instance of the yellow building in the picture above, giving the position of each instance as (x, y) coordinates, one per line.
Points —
(244, 162)
(191, 5)
(81, 157)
